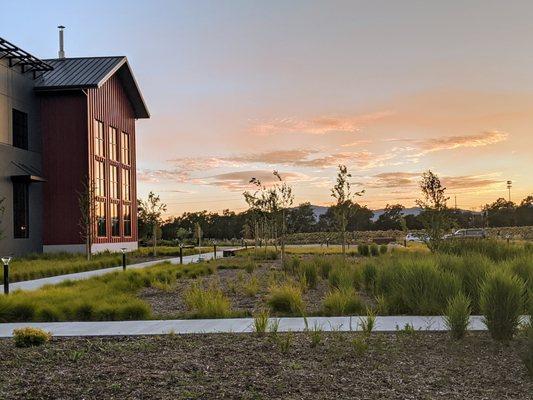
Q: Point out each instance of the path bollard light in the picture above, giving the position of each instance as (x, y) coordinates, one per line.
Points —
(214, 250)
(123, 250)
(6, 261)
(181, 253)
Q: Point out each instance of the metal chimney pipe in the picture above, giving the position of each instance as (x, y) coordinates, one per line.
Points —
(61, 53)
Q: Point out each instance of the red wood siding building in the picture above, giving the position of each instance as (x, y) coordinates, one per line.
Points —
(89, 107)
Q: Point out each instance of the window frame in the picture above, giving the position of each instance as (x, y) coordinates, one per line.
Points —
(99, 140)
(19, 131)
(113, 144)
(21, 189)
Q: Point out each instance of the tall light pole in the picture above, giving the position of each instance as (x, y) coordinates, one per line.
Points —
(509, 185)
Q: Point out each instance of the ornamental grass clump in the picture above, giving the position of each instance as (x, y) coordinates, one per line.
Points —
(345, 276)
(261, 322)
(342, 302)
(207, 302)
(374, 250)
(29, 337)
(457, 315)
(363, 249)
(286, 298)
(502, 302)
(309, 273)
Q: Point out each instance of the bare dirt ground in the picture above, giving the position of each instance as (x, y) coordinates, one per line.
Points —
(233, 282)
(245, 366)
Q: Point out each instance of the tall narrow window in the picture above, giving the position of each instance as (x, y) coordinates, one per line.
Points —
(101, 229)
(113, 181)
(99, 178)
(99, 140)
(126, 188)
(20, 129)
(113, 144)
(127, 219)
(115, 226)
(20, 210)
(125, 144)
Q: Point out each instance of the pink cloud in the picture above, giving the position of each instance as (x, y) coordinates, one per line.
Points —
(318, 125)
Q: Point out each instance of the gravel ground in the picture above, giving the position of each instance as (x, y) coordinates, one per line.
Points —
(245, 366)
(170, 304)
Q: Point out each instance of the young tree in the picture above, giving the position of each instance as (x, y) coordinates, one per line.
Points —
(434, 215)
(301, 219)
(270, 206)
(87, 222)
(150, 212)
(341, 192)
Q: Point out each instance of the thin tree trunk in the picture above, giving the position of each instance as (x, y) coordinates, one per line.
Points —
(154, 237)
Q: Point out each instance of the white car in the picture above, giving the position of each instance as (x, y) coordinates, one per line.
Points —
(416, 237)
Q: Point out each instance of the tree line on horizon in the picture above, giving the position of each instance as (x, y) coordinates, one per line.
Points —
(302, 219)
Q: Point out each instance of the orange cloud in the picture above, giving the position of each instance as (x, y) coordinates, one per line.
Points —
(240, 180)
(318, 126)
(454, 142)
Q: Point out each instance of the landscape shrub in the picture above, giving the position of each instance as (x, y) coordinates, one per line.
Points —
(502, 302)
(286, 298)
(108, 297)
(415, 285)
(345, 276)
(207, 302)
(383, 249)
(266, 254)
(374, 250)
(342, 302)
(457, 315)
(471, 271)
(496, 250)
(29, 337)
(324, 265)
(363, 249)
(370, 273)
(251, 286)
(309, 272)
(261, 322)
(250, 265)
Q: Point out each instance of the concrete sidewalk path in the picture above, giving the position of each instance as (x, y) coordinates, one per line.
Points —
(53, 280)
(234, 325)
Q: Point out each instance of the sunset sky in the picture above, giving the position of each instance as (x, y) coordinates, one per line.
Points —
(239, 88)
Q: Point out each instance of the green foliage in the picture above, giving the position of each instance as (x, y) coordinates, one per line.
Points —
(286, 298)
(359, 345)
(324, 265)
(457, 315)
(342, 302)
(494, 249)
(374, 250)
(315, 334)
(285, 342)
(363, 249)
(29, 337)
(261, 322)
(108, 297)
(383, 249)
(308, 273)
(368, 323)
(207, 302)
(345, 276)
(252, 286)
(250, 265)
(502, 302)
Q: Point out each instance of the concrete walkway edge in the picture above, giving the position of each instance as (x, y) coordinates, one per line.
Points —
(236, 325)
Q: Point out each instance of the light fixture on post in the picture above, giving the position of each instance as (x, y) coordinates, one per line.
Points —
(123, 250)
(6, 261)
(509, 185)
(214, 249)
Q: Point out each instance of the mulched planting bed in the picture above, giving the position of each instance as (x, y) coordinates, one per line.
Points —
(245, 366)
(169, 303)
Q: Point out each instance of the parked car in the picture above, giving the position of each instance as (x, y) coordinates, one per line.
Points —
(471, 233)
(416, 237)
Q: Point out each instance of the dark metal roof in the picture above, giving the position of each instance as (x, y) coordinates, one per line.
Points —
(92, 72)
(21, 58)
